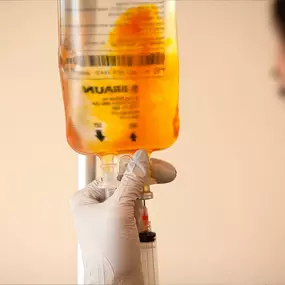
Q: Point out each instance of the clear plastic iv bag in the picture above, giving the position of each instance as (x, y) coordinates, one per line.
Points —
(118, 63)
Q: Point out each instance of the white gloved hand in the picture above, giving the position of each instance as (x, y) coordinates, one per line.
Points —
(106, 229)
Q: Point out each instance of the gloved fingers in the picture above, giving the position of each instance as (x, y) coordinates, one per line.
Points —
(94, 191)
(161, 172)
(91, 194)
(133, 180)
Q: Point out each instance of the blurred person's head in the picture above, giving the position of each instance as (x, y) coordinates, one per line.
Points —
(279, 22)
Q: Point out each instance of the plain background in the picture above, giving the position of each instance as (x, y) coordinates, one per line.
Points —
(222, 221)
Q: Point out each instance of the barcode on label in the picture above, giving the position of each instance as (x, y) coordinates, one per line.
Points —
(120, 60)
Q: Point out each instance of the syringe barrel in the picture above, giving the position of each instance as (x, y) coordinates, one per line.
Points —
(149, 263)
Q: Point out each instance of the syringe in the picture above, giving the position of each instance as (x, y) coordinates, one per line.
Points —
(148, 249)
(146, 235)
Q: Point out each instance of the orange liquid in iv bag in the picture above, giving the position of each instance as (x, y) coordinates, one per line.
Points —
(120, 77)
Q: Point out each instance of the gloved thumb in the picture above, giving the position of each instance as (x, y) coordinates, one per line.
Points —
(133, 180)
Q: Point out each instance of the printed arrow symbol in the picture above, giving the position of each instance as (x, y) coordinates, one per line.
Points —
(133, 137)
(99, 135)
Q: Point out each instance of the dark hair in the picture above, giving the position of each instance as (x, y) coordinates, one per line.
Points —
(279, 16)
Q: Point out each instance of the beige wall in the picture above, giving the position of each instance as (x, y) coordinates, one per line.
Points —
(222, 221)
(227, 224)
(38, 170)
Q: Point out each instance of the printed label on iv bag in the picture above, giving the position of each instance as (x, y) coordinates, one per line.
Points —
(115, 56)
(114, 39)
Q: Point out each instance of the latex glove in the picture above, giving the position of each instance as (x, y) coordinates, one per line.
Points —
(107, 230)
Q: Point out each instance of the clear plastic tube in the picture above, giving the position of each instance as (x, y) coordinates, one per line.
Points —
(109, 174)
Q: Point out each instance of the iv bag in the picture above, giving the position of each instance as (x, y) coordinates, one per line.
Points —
(118, 64)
